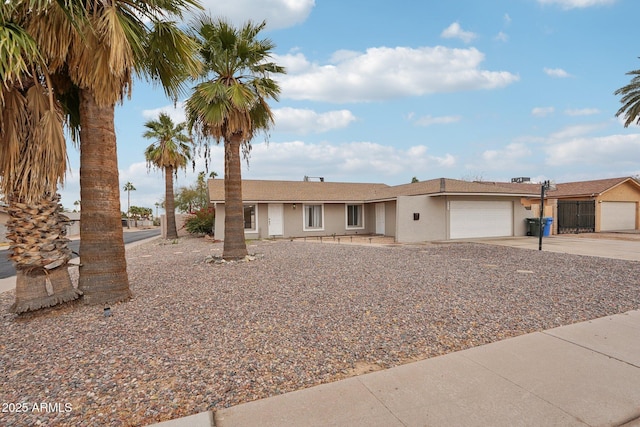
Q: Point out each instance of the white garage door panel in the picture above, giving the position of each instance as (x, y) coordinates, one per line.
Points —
(617, 216)
(480, 219)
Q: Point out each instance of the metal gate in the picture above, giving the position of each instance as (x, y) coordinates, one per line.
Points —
(576, 216)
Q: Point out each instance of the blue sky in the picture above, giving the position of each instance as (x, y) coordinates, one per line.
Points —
(380, 91)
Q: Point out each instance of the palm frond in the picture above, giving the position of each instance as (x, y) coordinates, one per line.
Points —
(232, 101)
(170, 58)
(630, 99)
(18, 51)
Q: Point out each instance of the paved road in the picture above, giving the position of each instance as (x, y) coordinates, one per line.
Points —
(7, 269)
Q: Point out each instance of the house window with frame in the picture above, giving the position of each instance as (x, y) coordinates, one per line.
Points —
(355, 216)
(250, 217)
(313, 217)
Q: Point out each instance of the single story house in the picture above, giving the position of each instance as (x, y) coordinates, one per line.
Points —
(438, 209)
(591, 206)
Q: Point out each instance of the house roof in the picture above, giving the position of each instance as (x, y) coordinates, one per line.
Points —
(588, 188)
(297, 191)
(313, 191)
(575, 189)
(445, 186)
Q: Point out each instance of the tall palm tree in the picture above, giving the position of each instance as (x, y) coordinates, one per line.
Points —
(92, 51)
(170, 152)
(231, 105)
(630, 99)
(32, 163)
(128, 187)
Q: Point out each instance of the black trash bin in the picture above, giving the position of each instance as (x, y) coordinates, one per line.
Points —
(533, 226)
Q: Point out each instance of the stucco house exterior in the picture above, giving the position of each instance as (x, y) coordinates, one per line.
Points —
(600, 205)
(438, 209)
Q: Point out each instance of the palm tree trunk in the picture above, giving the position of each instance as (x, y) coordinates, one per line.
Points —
(103, 275)
(234, 242)
(172, 232)
(40, 251)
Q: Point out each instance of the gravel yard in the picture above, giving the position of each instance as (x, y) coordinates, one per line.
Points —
(200, 336)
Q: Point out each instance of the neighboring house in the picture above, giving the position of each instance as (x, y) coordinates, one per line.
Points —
(438, 209)
(4, 217)
(592, 206)
(73, 229)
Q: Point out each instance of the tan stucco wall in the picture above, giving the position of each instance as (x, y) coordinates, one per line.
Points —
(335, 221)
(431, 224)
(625, 192)
(180, 218)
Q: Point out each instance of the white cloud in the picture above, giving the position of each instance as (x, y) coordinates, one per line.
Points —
(455, 31)
(616, 151)
(386, 73)
(442, 120)
(511, 153)
(502, 37)
(507, 19)
(176, 113)
(352, 162)
(622, 119)
(577, 4)
(303, 121)
(287, 119)
(542, 111)
(574, 131)
(582, 112)
(556, 72)
(277, 13)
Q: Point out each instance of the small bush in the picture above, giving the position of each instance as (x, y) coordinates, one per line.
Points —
(201, 222)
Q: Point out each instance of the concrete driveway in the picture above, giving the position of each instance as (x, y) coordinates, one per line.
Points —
(608, 245)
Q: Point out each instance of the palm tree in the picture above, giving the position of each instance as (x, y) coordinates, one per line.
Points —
(128, 187)
(32, 163)
(92, 50)
(630, 99)
(170, 152)
(231, 105)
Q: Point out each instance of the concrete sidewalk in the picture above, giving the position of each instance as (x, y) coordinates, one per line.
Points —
(569, 244)
(586, 374)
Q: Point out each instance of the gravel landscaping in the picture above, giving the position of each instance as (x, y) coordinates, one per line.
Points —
(202, 336)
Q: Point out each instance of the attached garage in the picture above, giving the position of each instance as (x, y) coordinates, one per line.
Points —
(471, 219)
(617, 216)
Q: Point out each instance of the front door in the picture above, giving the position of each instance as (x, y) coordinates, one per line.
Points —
(380, 218)
(275, 211)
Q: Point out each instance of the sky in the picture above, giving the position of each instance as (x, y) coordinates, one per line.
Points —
(384, 91)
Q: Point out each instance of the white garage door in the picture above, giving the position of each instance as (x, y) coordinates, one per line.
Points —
(480, 219)
(617, 216)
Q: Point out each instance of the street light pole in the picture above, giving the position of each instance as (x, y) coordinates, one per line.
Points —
(546, 185)
(541, 230)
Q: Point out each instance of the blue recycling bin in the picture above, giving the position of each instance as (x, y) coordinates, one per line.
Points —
(547, 226)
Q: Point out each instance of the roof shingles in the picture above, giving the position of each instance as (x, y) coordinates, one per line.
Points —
(337, 192)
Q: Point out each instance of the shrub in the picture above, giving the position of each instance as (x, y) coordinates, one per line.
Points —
(201, 222)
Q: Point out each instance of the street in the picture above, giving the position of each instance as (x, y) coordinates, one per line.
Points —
(7, 269)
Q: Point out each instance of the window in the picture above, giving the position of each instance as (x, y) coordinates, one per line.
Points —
(250, 217)
(313, 217)
(355, 216)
